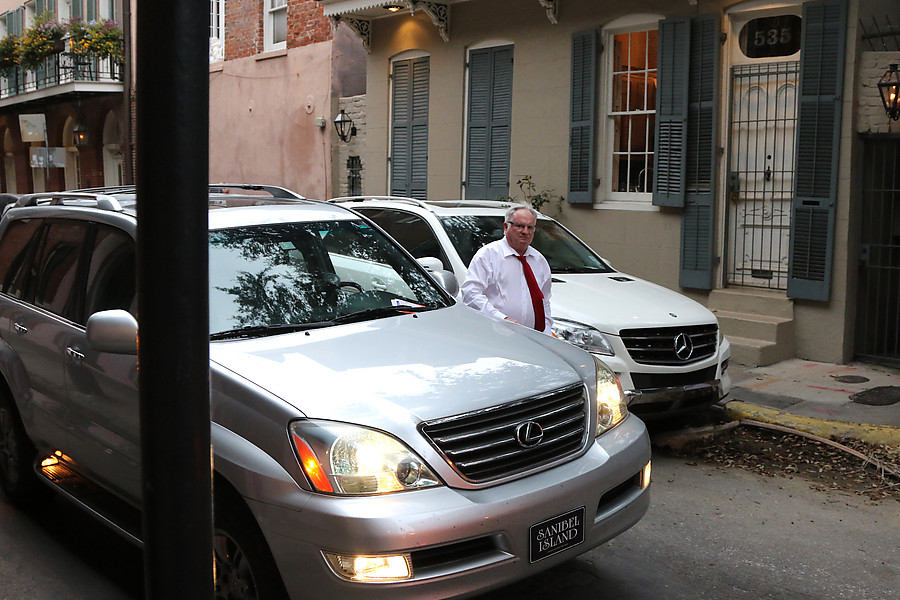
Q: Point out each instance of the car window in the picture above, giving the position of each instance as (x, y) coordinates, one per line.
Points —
(111, 273)
(309, 273)
(56, 266)
(565, 252)
(411, 231)
(19, 241)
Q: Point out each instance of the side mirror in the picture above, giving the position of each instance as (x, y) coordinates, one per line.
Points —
(431, 263)
(447, 280)
(113, 331)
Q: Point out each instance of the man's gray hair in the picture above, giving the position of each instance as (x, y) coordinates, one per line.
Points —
(512, 209)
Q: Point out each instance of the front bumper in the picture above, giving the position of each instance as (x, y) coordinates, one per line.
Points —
(462, 542)
(673, 400)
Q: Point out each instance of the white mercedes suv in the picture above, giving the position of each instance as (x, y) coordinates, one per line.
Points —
(667, 349)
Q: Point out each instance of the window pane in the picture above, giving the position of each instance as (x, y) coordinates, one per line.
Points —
(57, 267)
(632, 107)
(111, 275)
(279, 26)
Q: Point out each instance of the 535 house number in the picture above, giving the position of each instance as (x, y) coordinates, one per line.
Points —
(769, 37)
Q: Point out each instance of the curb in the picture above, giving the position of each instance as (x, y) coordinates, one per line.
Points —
(873, 434)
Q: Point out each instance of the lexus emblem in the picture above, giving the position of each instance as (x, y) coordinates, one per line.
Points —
(684, 347)
(529, 434)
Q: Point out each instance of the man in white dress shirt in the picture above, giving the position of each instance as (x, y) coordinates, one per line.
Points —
(497, 282)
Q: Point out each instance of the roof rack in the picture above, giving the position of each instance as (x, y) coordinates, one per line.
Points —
(272, 190)
(101, 201)
(421, 203)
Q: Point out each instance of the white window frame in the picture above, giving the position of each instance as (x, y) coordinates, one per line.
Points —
(216, 30)
(272, 10)
(609, 198)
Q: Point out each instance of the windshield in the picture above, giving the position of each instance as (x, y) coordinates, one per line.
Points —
(281, 277)
(565, 252)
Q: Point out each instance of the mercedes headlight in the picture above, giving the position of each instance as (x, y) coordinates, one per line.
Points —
(583, 336)
(339, 458)
(611, 406)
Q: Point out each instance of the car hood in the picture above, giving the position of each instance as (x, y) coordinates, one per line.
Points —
(611, 302)
(405, 368)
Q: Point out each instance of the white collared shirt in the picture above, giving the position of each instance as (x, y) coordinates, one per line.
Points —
(496, 286)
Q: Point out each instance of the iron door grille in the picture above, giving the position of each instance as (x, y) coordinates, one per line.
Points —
(482, 445)
(664, 346)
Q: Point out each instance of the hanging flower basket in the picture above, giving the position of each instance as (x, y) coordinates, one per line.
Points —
(9, 55)
(40, 40)
(103, 39)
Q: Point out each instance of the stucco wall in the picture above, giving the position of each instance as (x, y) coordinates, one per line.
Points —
(644, 241)
(263, 126)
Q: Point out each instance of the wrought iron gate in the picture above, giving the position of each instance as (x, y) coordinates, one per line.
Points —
(878, 292)
(761, 173)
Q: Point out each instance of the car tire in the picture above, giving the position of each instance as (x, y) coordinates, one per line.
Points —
(17, 477)
(245, 567)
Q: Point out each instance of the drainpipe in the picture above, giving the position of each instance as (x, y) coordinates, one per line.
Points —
(128, 133)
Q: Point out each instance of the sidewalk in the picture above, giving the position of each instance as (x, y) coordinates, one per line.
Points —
(856, 400)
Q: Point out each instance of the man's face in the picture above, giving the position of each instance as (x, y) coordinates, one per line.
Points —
(520, 231)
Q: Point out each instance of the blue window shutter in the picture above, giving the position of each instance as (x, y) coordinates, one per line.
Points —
(818, 149)
(671, 112)
(77, 13)
(40, 6)
(489, 123)
(698, 219)
(581, 117)
(409, 128)
(90, 10)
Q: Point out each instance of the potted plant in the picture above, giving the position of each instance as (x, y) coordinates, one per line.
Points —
(96, 38)
(42, 39)
(9, 55)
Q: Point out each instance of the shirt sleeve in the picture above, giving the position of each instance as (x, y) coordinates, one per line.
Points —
(478, 278)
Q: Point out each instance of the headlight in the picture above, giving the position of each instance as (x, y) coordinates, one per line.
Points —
(583, 336)
(611, 405)
(346, 459)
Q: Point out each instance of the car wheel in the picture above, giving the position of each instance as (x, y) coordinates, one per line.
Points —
(245, 568)
(17, 477)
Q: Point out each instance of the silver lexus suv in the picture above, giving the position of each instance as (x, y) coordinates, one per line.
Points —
(372, 438)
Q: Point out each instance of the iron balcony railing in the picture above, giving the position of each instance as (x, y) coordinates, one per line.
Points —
(60, 69)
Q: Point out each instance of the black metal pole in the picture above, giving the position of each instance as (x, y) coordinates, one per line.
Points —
(172, 88)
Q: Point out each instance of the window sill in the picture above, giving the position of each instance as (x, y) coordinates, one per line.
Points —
(642, 206)
(271, 54)
(217, 67)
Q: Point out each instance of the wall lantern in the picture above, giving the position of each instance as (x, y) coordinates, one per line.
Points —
(889, 88)
(80, 132)
(344, 126)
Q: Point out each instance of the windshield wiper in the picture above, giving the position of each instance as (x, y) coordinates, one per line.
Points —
(379, 311)
(266, 330)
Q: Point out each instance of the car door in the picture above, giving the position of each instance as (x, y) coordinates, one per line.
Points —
(43, 257)
(103, 387)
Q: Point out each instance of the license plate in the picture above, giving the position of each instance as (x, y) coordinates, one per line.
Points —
(555, 535)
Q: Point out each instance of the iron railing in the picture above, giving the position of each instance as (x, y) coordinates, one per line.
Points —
(60, 69)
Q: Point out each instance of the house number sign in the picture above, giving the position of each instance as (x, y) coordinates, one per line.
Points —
(768, 37)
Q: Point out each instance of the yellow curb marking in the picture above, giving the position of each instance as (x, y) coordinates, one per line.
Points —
(874, 434)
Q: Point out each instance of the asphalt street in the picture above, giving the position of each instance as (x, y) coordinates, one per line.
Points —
(711, 533)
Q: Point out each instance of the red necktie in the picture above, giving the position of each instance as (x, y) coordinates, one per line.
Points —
(537, 298)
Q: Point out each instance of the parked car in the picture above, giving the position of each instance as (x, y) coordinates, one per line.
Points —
(666, 349)
(372, 437)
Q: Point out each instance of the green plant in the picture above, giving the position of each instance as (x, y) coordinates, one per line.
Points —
(539, 199)
(96, 38)
(40, 40)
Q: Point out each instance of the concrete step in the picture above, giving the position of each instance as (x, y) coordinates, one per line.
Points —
(759, 302)
(762, 327)
(757, 353)
(758, 323)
